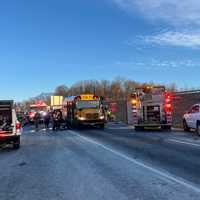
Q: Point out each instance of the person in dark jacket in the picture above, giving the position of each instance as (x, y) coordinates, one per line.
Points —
(37, 120)
(57, 117)
(54, 120)
(47, 118)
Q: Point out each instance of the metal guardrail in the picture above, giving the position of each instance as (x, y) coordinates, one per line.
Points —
(187, 92)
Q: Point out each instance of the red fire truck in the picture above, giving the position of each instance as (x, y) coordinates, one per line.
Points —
(152, 107)
(40, 107)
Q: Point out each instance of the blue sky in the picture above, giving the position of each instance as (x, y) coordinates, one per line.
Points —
(45, 43)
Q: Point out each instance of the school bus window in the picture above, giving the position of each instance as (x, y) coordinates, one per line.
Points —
(87, 104)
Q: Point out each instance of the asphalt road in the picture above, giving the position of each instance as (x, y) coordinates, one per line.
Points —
(91, 164)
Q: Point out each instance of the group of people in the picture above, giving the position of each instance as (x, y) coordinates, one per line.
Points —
(55, 117)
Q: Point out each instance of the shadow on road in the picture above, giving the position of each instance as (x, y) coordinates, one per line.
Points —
(6, 149)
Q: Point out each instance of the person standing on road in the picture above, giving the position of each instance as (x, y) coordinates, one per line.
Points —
(37, 120)
(59, 118)
(65, 120)
(55, 117)
(54, 120)
(47, 120)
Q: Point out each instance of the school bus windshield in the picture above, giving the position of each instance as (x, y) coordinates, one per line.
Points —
(87, 104)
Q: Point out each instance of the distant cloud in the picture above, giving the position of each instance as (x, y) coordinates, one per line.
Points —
(175, 12)
(183, 14)
(191, 40)
(161, 65)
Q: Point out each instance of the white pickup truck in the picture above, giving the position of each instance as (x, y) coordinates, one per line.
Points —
(191, 120)
(10, 128)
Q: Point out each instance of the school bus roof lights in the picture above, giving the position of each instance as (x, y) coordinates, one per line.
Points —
(88, 97)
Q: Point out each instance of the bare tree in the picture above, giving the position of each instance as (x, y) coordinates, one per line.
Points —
(172, 87)
(61, 90)
(117, 89)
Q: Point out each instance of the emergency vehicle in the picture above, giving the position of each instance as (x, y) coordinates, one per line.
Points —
(152, 107)
(40, 107)
(10, 127)
(85, 109)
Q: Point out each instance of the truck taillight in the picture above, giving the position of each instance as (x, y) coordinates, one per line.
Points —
(18, 126)
(168, 100)
(168, 97)
(168, 107)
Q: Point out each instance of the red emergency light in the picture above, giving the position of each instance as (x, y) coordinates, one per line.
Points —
(168, 96)
(40, 104)
(168, 107)
(31, 114)
(95, 97)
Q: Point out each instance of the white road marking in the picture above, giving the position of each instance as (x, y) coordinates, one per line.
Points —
(141, 164)
(183, 142)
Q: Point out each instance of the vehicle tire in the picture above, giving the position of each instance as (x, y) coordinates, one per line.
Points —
(77, 125)
(198, 129)
(166, 128)
(16, 144)
(102, 126)
(185, 126)
(139, 128)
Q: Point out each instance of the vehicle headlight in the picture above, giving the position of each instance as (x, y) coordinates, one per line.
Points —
(102, 117)
(81, 118)
(44, 113)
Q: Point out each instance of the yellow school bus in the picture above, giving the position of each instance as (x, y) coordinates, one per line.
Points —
(85, 109)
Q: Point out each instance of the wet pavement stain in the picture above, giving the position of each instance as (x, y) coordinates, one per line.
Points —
(22, 164)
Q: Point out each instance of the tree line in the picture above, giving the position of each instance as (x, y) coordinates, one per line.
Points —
(116, 89)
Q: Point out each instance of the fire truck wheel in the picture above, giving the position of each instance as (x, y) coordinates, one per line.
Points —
(101, 126)
(166, 128)
(185, 126)
(139, 128)
(198, 128)
(78, 125)
(75, 125)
